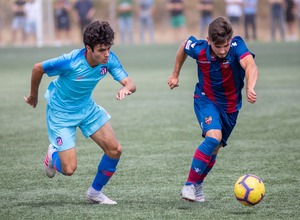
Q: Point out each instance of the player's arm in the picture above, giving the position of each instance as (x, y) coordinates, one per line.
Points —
(128, 88)
(251, 72)
(36, 77)
(180, 59)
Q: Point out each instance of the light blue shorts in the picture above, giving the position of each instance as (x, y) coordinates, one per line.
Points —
(62, 125)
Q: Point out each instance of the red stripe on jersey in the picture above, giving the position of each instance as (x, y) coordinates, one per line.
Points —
(229, 88)
(205, 69)
(246, 54)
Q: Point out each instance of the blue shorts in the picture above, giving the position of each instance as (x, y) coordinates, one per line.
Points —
(211, 117)
(62, 125)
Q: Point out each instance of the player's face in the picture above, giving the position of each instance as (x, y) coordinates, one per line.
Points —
(99, 55)
(220, 49)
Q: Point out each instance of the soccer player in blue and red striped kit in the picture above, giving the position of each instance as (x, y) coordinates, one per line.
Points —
(70, 105)
(222, 61)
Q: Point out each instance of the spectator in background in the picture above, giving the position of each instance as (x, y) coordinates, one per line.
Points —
(234, 12)
(177, 19)
(85, 12)
(298, 14)
(125, 13)
(277, 18)
(62, 21)
(206, 15)
(145, 11)
(19, 20)
(31, 12)
(290, 18)
(250, 11)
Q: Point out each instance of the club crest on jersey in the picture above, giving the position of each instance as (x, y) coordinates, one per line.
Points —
(59, 141)
(103, 70)
(225, 63)
(208, 120)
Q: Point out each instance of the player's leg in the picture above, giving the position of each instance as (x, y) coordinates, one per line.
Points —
(208, 118)
(97, 127)
(61, 155)
(106, 139)
(228, 124)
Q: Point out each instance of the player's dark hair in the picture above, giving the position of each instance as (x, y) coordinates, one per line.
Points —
(98, 33)
(220, 30)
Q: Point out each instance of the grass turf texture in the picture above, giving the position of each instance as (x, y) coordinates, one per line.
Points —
(159, 132)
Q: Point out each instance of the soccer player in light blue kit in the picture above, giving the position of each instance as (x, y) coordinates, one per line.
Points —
(222, 63)
(70, 105)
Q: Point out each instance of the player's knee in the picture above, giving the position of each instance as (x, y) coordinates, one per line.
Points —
(69, 170)
(115, 152)
(217, 149)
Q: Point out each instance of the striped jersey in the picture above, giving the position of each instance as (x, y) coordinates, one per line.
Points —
(220, 80)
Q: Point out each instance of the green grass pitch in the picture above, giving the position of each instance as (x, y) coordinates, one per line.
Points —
(159, 132)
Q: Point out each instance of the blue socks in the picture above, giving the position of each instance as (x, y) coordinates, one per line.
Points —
(106, 169)
(56, 161)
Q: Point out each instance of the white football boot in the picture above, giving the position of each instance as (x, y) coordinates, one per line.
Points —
(188, 193)
(49, 168)
(199, 194)
(99, 198)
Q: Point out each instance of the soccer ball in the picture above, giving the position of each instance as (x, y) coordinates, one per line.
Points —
(249, 190)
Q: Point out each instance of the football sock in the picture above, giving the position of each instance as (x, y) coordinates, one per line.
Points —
(56, 161)
(106, 169)
(208, 168)
(201, 159)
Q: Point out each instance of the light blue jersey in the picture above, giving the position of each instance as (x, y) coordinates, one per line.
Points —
(69, 96)
(72, 89)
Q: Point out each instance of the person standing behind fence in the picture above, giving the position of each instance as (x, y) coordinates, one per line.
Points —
(250, 11)
(206, 15)
(31, 12)
(19, 20)
(298, 14)
(62, 22)
(234, 12)
(85, 12)
(277, 18)
(145, 11)
(177, 19)
(290, 18)
(125, 13)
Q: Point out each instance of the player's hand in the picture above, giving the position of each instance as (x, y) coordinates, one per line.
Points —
(173, 81)
(122, 93)
(251, 96)
(32, 101)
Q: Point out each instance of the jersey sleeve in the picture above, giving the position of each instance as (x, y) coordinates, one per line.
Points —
(193, 47)
(241, 49)
(57, 66)
(115, 68)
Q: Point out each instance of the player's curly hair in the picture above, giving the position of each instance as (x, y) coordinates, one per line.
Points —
(98, 33)
(220, 30)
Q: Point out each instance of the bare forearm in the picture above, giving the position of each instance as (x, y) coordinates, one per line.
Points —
(36, 77)
(251, 76)
(180, 59)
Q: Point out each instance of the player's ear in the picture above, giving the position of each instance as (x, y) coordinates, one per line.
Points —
(208, 41)
(88, 48)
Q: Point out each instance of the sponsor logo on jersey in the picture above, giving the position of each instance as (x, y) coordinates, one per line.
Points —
(188, 44)
(233, 44)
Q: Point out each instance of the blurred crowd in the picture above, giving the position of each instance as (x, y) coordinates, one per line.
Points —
(136, 21)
